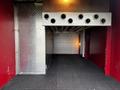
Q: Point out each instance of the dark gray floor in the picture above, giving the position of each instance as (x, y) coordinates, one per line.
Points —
(66, 73)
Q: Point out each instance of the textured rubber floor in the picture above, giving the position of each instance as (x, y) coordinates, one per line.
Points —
(67, 72)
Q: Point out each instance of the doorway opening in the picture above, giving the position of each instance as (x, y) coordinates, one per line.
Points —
(62, 40)
(83, 42)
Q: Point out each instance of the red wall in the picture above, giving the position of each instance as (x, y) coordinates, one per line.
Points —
(7, 47)
(95, 45)
(103, 46)
(114, 60)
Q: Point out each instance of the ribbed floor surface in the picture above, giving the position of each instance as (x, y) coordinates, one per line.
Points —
(66, 73)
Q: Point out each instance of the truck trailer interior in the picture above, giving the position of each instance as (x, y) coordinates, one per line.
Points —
(59, 45)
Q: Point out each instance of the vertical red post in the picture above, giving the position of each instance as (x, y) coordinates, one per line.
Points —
(108, 51)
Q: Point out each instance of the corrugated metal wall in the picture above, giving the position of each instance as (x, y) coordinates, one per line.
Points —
(96, 45)
(113, 43)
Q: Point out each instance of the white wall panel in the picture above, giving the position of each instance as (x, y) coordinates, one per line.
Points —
(66, 43)
(77, 19)
(17, 49)
(31, 39)
(82, 43)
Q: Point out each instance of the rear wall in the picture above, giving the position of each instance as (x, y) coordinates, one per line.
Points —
(66, 43)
